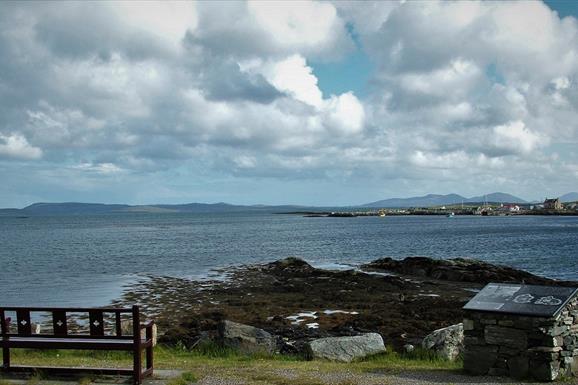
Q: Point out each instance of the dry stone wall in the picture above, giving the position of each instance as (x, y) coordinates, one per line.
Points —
(544, 349)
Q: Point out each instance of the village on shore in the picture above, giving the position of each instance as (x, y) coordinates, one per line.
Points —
(548, 207)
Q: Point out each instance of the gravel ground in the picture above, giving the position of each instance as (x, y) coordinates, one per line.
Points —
(293, 377)
(410, 377)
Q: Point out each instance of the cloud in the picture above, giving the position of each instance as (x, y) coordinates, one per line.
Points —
(230, 89)
(16, 146)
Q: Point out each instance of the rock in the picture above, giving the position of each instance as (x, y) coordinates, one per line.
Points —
(468, 324)
(346, 349)
(408, 348)
(518, 366)
(459, 270)
(545, 371)
(448, 342)
(245, 338)
(479, 359)
(513, 338)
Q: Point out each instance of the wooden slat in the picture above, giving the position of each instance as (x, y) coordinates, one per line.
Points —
(118, 324)
(67, 309)
(45, 343)
(23, 320)
(64, 370)
(96, 320)
(75, 336)
(3, 322)
(59, 323)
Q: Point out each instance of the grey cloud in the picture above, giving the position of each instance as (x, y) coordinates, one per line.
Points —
(87, 89)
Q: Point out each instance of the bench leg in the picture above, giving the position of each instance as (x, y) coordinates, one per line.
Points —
(149, 359)
(6, 358)
(137, 367)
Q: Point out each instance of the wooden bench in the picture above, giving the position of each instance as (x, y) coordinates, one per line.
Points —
(68, 332)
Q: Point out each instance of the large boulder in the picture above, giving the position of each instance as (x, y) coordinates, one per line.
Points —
(346, 349)
(447, 342)
(246, 339)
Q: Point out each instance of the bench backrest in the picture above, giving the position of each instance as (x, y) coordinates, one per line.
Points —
(101, 322)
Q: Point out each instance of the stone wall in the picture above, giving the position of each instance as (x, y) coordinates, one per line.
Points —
(522, 346)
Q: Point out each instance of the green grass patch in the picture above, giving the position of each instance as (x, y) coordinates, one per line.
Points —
(256, 369)
(186, 378)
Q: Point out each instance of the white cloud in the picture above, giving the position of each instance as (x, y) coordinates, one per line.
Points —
(345, 113)
(293, 76)
(516, 137)
(16, 146)
(99, 168)
(229, 88)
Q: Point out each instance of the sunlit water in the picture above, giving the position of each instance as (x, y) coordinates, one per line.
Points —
(86, 260)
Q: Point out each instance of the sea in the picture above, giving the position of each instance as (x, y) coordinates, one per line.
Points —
(89, 260)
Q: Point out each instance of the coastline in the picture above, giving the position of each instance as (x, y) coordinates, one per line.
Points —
(402, 300)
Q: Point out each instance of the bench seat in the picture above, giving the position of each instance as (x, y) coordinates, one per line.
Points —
(72, 343)
(104, 333)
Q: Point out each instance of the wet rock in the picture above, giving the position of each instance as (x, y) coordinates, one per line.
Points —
(346, 349)
(292, 265)
(460, 270)
(246, 339)
(448, 342)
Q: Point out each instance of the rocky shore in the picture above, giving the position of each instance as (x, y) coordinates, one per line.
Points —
(403, 301)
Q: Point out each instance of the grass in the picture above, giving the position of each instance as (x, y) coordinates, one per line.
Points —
(252, 369)
(185, 379)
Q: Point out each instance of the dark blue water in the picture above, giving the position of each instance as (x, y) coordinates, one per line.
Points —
(85, 260)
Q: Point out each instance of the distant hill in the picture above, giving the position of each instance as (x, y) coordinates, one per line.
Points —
(431, 200)
(423, 201)
(497, 197)
(570, 197)
(76, 208)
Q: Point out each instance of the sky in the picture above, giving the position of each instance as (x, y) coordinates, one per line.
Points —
(313, 103)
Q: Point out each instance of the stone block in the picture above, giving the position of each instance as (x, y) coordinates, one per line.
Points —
(498, 372)
(553, 341)
(473, 341)
(513, 338)
(545, 371)
(508, 352)
(488, 321)
(518, 366)
(479, 359)
(468, 324)
(506, 322)
(546, 349)
(556, 330)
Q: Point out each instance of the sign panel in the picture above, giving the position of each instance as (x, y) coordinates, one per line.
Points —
(540, 301)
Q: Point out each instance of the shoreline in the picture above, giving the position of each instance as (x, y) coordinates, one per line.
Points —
(402, 300)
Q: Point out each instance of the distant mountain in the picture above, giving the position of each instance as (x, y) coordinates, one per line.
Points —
(73, 208)
(76, 208)
(497, 197)
(424, 201)
(444, 200)
(570, 197)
